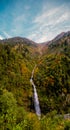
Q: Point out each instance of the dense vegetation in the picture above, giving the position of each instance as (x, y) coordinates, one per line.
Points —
(52, 78)
(15, 72)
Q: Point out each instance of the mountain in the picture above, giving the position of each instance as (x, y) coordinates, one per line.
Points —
(18, 56)
(17, 40)
(58, 37)
(56, 42)
(61, 35)
(52, 75)
(17, 59)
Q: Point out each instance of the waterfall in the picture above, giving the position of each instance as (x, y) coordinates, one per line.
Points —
(36, 101)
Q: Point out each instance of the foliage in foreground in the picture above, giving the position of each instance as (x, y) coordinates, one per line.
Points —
(16, 118)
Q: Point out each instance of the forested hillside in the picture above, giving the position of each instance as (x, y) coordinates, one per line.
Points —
(18, 57)
(52, 77)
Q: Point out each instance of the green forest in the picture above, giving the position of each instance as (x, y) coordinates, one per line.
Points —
(52, 80)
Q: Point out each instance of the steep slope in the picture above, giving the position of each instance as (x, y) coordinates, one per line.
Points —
(61, 35)
(52, 76)
(57, 41)
(17, 59)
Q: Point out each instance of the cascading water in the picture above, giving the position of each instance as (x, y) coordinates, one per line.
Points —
(36, 101)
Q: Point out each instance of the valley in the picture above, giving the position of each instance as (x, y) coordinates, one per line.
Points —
(18, 56)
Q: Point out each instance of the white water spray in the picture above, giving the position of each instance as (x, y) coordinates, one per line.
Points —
(36, 101)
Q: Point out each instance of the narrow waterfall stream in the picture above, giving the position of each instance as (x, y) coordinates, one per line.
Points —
(36, 101)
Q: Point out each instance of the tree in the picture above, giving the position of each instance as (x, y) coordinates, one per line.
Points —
(8, 110)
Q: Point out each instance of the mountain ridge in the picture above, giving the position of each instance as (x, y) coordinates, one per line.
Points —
(51, 77)
(23, 39)
(39, 48)
(17, 39)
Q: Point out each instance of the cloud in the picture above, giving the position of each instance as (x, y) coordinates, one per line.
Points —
(62, 18)
(49, 23)
(39, 24)
(40, 37)
(1, 37)
(6, 34)
(45, 14)
(55, 15)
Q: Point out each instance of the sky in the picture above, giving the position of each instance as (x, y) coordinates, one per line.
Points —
(37, 20)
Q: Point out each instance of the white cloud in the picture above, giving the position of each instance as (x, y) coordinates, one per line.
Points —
(43, 26)
(63, 18)
(49, 23)
(6, 34)
(45, 14)
(1, 37)
(52, 17)
(42, 36)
